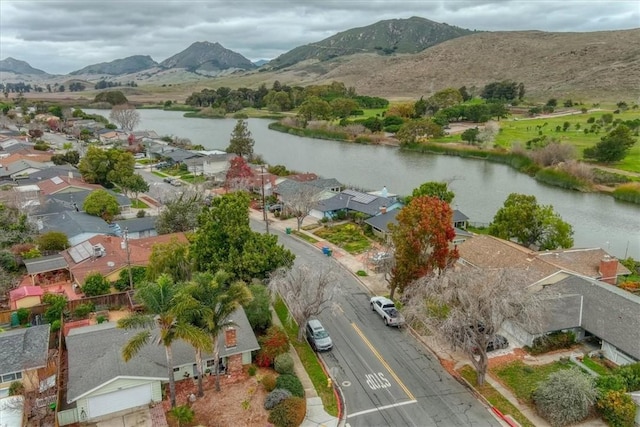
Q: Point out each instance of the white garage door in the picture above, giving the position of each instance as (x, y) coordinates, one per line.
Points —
(119, 400)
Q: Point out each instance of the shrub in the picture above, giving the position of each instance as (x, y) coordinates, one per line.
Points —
(252, 370)
(274, 342)
(56, 325)
(607, 383)
(263, 360)
(182, 414)
(276, 396)
(551, 342)
(292, 383)
(83, 310)
(617, 408)
(565, 397)
(141, 213)
(283, 364)
(289, 413)
(95, 284)
(628, 192)
(269, 382)
(23, 315)
(16, 388)
(631, 376)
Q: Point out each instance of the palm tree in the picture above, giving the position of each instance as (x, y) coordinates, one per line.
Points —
(207, 302)
(162, 323)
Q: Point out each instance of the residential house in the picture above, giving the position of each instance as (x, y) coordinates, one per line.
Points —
(354, 201)
(211, 165)
(75, 198)
(137, 228)
(100, 383)
(47, 270)
(24, 353)
(380, 225)
(111, 136)
(108, 255)
(577, 297)
(77, 226)
(65, 183)
(20, 168)
(320, 189)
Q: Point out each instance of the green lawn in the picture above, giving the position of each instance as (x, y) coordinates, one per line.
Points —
(596, 366)
(347, 236)
(523, 379)
(309, 360)
(495, 398)
(193, 179)
(138, 204)
(370, 112)
(520, 130)
(305, 236)
(160, 174)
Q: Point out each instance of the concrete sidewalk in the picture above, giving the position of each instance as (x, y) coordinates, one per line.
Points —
(377, 285)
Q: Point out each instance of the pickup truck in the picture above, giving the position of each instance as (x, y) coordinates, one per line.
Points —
(387, 310)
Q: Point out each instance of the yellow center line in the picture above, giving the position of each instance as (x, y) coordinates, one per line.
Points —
(384, 363)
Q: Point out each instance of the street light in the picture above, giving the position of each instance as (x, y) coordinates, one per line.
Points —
(125, 245)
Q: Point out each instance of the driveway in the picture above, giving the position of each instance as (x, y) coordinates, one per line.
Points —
(140, 418)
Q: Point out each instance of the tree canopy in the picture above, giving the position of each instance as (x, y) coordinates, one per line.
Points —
(531, 225)
(225, 241)
(467, 307)
(612, 147)
(180, 213)
(125, 116)
(241, 142)
(101, 203)
(105, 167)
(439, 190)
(422, 239)
(417, 131)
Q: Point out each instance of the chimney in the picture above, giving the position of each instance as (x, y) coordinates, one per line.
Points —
(70, 174)
(609, 270)
(230, 339)
(383, 209)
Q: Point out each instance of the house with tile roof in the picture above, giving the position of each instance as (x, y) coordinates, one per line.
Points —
(100, 383)
(107, 255)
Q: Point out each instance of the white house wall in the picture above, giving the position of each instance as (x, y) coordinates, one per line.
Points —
(617, 357)
(122, 383)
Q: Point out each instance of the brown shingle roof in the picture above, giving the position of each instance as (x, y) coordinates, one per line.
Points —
(49, 186)
(490, 252)
(582, 261)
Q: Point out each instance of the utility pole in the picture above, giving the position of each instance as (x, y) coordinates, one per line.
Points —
(125, 245)
(264, 206)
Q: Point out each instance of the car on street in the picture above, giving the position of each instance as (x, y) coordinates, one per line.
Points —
(387, 310)
(168, 180)
(275, 207)
(318, 336)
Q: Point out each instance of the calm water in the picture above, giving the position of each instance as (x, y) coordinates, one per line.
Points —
(480, 187)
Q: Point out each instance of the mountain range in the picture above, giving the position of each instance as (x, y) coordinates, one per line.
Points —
(399, 57)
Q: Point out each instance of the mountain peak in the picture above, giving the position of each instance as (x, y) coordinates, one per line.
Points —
(206, 57)
(17, 66)
(128, 65)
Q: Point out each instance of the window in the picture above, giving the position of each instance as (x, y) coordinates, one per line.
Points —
(11, 377)
(176, 369)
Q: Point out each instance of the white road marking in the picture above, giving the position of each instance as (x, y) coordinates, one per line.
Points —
(381, 408)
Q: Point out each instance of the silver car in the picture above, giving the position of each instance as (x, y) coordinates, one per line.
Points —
(317, 336)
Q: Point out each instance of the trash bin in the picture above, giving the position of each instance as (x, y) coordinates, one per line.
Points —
(329, 252)
(325, 249)
(288, 230)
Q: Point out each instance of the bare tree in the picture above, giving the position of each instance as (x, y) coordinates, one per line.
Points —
(125, 116)
(300, 202)
(307, 292)
(466, 307)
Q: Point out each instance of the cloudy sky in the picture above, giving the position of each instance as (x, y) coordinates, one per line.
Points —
(64, 36)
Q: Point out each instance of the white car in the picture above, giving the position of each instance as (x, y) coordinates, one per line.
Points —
(387, 310)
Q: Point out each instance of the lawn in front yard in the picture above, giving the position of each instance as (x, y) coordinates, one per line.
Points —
(494, 397)
(346, 236)
(523, 379)
(138, 204)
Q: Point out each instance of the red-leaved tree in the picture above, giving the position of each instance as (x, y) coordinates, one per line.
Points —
(239, 175)
(423, 241)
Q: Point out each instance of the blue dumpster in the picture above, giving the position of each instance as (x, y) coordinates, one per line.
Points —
(325, 250)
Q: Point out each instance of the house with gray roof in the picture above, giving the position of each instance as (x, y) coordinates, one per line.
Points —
(576, 296)
(380, 225)
(24, 350)
(75, 199)
(78, 226)
(137, 228)
(21, 168)
(354, 201)
(590, 307)
(101, 383)
(211, 165)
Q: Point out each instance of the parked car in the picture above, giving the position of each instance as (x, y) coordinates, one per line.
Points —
(498, 342)
(176, 183)
(380, 256)
(275, 207)
(387, 310)
(317, 336)
(168, 180)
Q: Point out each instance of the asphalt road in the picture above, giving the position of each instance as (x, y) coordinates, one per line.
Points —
(387, 378)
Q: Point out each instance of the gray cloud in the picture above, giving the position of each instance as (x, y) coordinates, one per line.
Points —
(63, 36)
